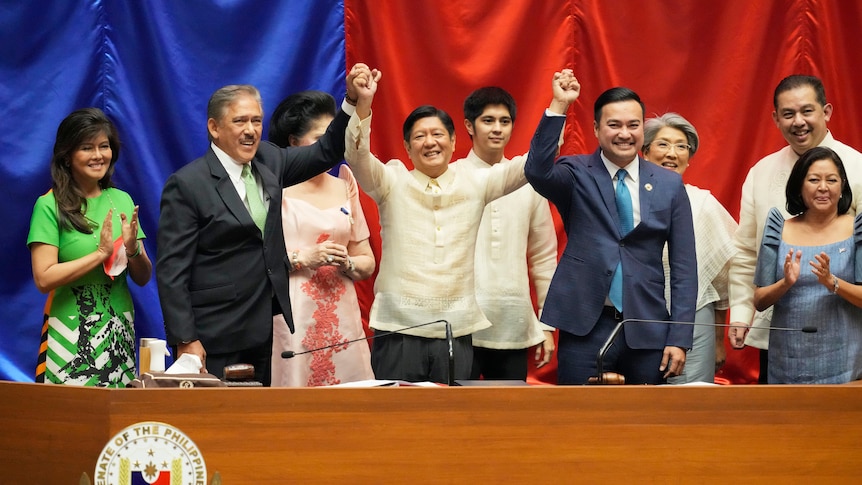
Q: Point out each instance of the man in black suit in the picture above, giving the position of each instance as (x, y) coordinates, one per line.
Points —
(222, 266)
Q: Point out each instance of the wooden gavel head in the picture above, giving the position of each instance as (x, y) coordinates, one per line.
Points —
(238, 372)
(608, 378)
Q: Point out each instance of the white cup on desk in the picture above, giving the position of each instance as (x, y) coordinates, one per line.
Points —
(158, 351)
(151, 355)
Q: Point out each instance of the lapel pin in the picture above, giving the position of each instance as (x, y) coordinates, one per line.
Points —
(648, 187)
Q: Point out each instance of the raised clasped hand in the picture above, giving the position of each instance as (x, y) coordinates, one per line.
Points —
(566, 86)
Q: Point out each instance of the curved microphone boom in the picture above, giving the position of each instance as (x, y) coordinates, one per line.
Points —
(289, 354)
(600, 379)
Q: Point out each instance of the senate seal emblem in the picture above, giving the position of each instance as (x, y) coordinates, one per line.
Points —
(150, 453)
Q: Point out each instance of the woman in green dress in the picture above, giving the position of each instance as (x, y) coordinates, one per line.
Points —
(84, 241)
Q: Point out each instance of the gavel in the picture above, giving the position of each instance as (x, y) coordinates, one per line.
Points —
(608, 378)
(240, 375)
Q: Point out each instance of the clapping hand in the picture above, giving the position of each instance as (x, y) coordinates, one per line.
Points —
(791, 267)
(106, 235)
(130, 231)
(822, 271)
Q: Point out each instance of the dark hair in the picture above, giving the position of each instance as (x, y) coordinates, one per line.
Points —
(296, 113)
(77, 128)
(793, 190)
(615, 95)
(427, 111)
(797, 81)
(224, 96)
(481, 98)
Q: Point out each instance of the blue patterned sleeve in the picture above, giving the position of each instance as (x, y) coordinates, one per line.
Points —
(767, 259)
(857, 248)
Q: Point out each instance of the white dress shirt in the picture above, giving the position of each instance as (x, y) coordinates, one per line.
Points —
(516, 246)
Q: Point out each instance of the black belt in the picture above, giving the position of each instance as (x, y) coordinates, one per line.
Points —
(612, 312)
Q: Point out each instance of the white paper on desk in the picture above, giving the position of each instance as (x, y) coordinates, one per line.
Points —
(695, 384)
(367, 383)
(385, 383)
(186, 364)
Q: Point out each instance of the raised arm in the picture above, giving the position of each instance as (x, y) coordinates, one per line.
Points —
(566, 89)
(539, 169)
(301, 163)
(368, 170)
(364, 84)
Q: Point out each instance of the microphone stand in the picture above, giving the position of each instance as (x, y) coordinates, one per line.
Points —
(600, 379)
(450, 342)
(600, 360)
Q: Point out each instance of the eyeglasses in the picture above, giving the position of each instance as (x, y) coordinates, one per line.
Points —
(664, 147)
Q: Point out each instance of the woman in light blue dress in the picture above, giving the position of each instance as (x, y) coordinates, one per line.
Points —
(823, 293)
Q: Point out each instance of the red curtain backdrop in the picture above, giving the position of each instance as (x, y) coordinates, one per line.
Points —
(716, 63)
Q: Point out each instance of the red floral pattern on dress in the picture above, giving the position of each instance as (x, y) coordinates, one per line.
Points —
(325, 288)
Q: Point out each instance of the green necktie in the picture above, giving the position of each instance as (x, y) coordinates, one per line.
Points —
(252, 195)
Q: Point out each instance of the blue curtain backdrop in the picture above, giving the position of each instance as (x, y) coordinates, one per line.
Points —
(151, 66)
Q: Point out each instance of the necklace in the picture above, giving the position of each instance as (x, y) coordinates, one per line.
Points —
(98, 224)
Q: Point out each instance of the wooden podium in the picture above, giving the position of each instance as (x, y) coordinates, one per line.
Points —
(750, 434)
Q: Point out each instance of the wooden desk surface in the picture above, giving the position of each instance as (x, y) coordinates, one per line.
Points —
(754, 434)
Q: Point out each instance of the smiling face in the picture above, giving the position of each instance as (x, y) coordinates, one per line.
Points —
(801, 119)
(491, 132)
(90, 161)
(821, 189)
(430, 146)
(620, 131)
(670, 149)
(239, 129)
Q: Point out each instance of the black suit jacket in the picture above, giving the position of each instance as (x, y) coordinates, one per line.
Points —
(217, 276)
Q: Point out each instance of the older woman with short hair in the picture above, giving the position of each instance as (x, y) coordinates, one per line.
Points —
(671, 141)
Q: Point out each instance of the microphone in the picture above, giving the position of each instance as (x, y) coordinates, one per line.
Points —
(289, 354)
(606, 378)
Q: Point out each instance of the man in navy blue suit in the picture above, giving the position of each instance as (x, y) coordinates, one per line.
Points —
(618, 223)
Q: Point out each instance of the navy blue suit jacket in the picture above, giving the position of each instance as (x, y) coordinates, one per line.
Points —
(583, 192)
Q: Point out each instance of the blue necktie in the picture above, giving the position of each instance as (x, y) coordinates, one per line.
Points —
(624, 209)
